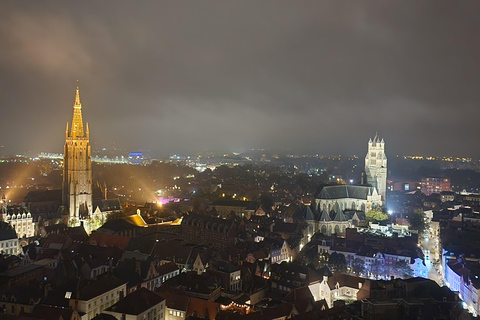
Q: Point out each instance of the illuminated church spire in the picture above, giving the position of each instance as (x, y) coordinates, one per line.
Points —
(77, 168)
(77, 121)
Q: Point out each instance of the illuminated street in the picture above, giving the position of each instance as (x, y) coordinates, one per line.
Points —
(429, 244)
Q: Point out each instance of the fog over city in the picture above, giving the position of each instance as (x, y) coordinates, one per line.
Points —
(181, 76)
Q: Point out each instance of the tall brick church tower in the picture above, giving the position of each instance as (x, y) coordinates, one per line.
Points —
(77, 168)
(376, 166)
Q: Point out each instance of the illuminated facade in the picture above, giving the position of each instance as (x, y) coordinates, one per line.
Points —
(19, 218)
(376, 166)
(433, 185)
(77, 168)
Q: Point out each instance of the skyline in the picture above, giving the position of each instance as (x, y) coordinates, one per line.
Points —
(181, 77)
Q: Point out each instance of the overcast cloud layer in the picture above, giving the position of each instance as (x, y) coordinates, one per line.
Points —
(182, 76)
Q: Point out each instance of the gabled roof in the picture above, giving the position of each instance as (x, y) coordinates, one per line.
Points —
(126, 223)
(175, 299)
(16, 209)
(56, 241)
(340, 216)
(56, 228)
(103, 239)
(174, 250)
(301, 298)
(142, 244)
(136, 219)
(325, 216)
(127, 269)
(203, 308)
(93, 288)
(304, 212)
(107, 205)
(205, 283)
(103, 316)
(7, 232)
(167, 268)
(345, 280)
(286, 227)
(95, 256)
(225, 266)
(136, 302)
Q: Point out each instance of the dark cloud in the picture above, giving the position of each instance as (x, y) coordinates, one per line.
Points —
(179, 76)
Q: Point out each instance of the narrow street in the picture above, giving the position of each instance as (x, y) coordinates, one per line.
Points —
(429, 246)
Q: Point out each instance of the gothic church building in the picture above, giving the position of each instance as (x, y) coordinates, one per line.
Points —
(338, 207)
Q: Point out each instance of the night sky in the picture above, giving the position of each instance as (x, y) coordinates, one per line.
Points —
(184, 76)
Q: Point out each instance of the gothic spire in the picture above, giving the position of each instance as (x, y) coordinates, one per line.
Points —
(77, 122)
(77, 98)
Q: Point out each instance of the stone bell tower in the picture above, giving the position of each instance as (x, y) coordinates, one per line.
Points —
(376, 166)
(77, 168)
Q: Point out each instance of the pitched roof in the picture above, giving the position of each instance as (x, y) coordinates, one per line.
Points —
(345, 280)
(325, 216)
(58, 228)
(345, 191)
(126, 223)
(136, 220)
(174, 250)
(201, 308)
(95, 256)
(52, 312)
(340, 216)
(7, 232)
(107, 205)
(93, 288)
(103, 239)
(136, 302)
(167, 268)
(127, 270)
(225, 266)
(142, 244)
(301, 298)
(304, 212)
(175, 300)
(103, 316)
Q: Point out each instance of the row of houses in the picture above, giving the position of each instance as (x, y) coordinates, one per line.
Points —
(375, 252)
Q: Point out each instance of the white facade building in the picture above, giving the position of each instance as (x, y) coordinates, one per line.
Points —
(19, 218)
(8, 240)
(338, 287)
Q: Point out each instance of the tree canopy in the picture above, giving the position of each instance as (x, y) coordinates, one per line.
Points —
(417, 220)
(375, 215)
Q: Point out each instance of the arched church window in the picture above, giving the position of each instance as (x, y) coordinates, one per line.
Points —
(337, 229)
(323, 229)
